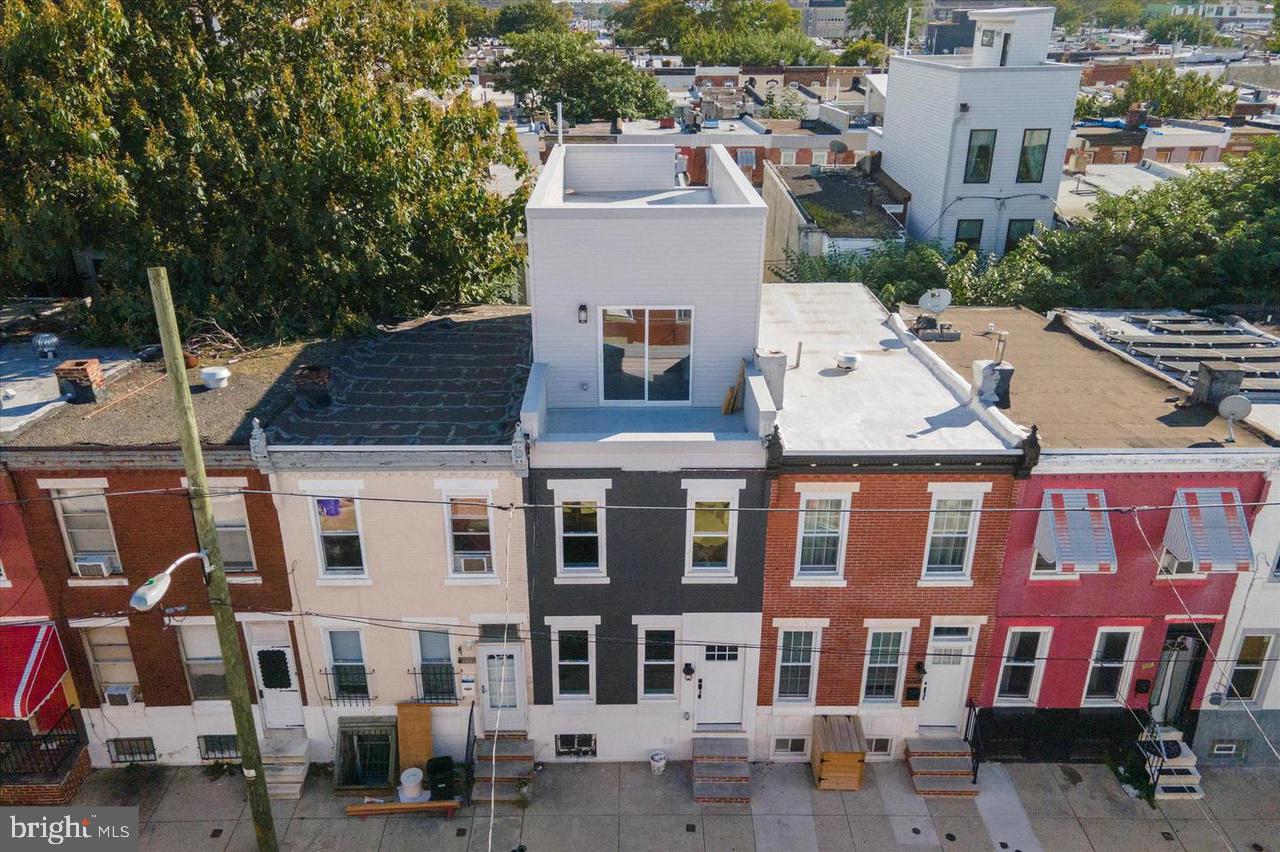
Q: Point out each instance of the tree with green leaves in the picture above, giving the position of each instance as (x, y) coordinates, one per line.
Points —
(704, 46)
(300, 167)
(1169, 94)
(526, 16)
(545, 68)
(653, 22)
(1068, 14)
(1187, 29)
(469, 19)
(864, 51)
(773, 16)
(787, 105)
(1119, 14)
(883, 20)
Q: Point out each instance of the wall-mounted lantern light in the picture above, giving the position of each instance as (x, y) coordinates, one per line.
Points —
(687, 671)
(582, 314)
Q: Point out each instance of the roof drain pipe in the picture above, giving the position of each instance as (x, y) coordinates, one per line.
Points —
(559, 123)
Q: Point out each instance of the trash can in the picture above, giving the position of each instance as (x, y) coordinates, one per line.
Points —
(658, 762)
(411, 784)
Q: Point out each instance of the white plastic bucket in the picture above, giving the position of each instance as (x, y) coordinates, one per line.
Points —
(215, 377)
(411, 784)
(658, 762)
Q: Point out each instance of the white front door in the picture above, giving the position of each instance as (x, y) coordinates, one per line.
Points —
(718, 679)
(502, 691)
(278, 693)
(946, 678)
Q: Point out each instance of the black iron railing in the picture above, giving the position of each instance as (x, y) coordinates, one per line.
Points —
(348, 684)
(41, 753)
(973, 736)
(469, 767)
(434, 683)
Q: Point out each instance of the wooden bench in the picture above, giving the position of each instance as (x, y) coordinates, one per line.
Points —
(449, 806)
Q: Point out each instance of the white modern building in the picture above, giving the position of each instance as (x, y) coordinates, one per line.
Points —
(976, 139)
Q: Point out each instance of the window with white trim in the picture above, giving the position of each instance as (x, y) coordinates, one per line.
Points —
(821, 535)
(746, 157)
(819, 158)
(1025, 651)
(885, 652)
(1073, 534)
(338, 526)
(953, 525)
(712, 527)
(573, 664)
(86, 526)
(1247, 682)
(231, 523)
(202, 655)
(790, 746)
(788, 158)
(1110, 665)
(882, 746)
(657, 664)
(581, 553)
(646, 354)
(110, 657)
(349, 680)
(796, 664)
(470, 537)
(1207, 531)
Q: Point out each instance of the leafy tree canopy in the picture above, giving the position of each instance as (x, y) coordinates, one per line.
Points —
(788, 105)
(299, 167)
(667, 22)
(1165, 93)
(864, 51)
(545, 68)
(653, 22)
(1119, 13)
(469, 19)
(1188, 29)
(1069, 14)
(526, 16)
(884, 20)
(705, 46)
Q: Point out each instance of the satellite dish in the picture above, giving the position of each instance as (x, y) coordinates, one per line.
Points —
(838, 147)
(1234, 408)
(935, 301)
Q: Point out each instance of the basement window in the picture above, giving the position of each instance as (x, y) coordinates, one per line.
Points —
(791, 746)
(1228, 748)
(365, 757)
(880, 745)
(132, 750)
(218, 747)
(575, 745)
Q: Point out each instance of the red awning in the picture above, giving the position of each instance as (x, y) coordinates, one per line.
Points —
(33, 668)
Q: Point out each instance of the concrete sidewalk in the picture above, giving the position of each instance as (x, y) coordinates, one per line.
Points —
(595, 807)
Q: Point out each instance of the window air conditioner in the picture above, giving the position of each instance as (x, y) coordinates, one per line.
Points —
(93, 565)
(122, 694)
(472, 563)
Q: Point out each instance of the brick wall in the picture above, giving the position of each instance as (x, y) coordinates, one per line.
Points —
(884, 559)
(54, 793)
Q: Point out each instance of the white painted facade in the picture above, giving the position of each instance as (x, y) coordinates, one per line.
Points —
(935, 103)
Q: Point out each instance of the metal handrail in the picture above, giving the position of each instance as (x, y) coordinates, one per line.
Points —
(469, 764)
(435, 684)
(348, 684)
(973, 736)
(41, 753)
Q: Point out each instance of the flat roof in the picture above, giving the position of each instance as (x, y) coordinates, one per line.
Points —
(1079, 394)
(451, 380)
(1077, 192)
(30, 391)
(844, 202)
(891, 404)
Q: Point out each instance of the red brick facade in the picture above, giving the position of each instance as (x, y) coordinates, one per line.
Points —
(59, 792)
(884, 559)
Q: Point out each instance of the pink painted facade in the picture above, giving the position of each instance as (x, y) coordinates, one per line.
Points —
(1076, 605)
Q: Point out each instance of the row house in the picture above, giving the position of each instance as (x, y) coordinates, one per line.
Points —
(644, 535)
(105, 508)
(886, 537)
(1109, 620)
(388, 472)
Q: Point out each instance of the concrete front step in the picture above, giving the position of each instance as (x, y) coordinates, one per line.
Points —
(507, 748)
(1176, 775)
(1178, 791)
(285, 748)
(504, 770)
(284, 791)
(726, 771)
(960, 766)
(721, 792)
(721, 749)
(482, 792)
(285, 773)
(945, 785)
(940, 747)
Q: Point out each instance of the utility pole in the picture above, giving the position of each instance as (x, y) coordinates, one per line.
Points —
(219, 593)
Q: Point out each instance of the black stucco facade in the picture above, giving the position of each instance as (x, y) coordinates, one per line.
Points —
(645, 559)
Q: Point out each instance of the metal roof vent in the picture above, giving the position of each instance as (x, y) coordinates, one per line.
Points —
(46, 345)
(847, 360)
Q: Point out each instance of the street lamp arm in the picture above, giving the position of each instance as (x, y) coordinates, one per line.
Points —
(150, 592)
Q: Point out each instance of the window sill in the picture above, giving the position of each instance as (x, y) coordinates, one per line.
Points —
(483, 580)
(1054, 578)
(244, 580)
(1102, 702)
(945, 582)
(89, 582)
(344, 581)
(575, 700)
(709, 578)
(881, 703)
(793, 705)
(818, 582)
(656, 699)
(583, 580)
(1183, 580)
(1014, 702)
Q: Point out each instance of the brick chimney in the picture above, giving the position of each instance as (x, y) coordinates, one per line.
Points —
(81, 380)
(311, 385)
(1135, 118)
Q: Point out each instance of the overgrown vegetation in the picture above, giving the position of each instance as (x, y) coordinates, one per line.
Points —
(722, 32)
(1165, 93)
(1211, 238)
(300, 166)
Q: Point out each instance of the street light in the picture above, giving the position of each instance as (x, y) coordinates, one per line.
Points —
(150, 592)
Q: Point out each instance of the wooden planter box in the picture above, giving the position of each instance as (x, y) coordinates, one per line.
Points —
(839, 752)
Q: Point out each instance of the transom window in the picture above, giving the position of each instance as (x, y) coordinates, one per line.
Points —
(884, 661)
(721, 653)
(795, 665)
(1110, 665)
(645, 354)
(659, 666)
(206, 673)
(470, 542)
(339, 528)
(1023, 665)
(87, 525)
(822, 526)
(1035, 146)
(1246, 675)
(950, 530)
(977, 163)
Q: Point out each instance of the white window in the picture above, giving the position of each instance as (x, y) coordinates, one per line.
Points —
(1119, 156)
(231, 522)
(1073, 534)
(657, 664)
(573, 649)
(435, 681)
(746, 157)
(86, 527)
(348, 678)
(1111, 665)
(886, 651)
(1247, 682)
(797, 665)
(953, 530)
(819, 158)
(206, 673)
(470, 537)
(712, 528)
(1025, 652)
(646, 355)
(581, 550)
(790, 746)
(882, 746)
(822, 530)
(110, 657)
(788, 158)
(338, 529)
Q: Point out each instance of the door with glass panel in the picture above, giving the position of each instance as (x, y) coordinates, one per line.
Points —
(502, 688)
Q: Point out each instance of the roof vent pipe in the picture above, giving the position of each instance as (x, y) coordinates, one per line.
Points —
(772, 364)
